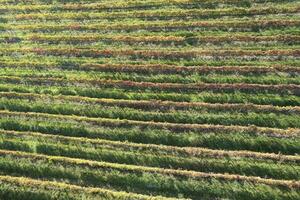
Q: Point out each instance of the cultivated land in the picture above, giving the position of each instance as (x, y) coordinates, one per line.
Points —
(149, 99)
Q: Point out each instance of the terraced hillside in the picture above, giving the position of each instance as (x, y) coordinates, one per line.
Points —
(149, 99)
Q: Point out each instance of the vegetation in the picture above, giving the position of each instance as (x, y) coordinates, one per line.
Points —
(144, 99)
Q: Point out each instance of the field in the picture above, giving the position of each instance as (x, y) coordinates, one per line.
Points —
(149, 99)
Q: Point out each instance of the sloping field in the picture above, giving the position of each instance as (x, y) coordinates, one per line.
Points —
(149, 99)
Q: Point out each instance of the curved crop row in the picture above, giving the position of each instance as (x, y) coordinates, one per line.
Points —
(170, 126)
(158, 149)
(120, 5)
(147, 54)
(229, 139)
(163, 106)
(90, 38)
(280, 88)
(170, 69)
(181, 78)
(59, 147)
(260, 98)
(204, 116)
(155, 26)
(153, 68)
(175, 173)
(162, 14)
(20, 187)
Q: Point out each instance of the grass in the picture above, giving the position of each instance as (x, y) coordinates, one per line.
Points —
(166, 99)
